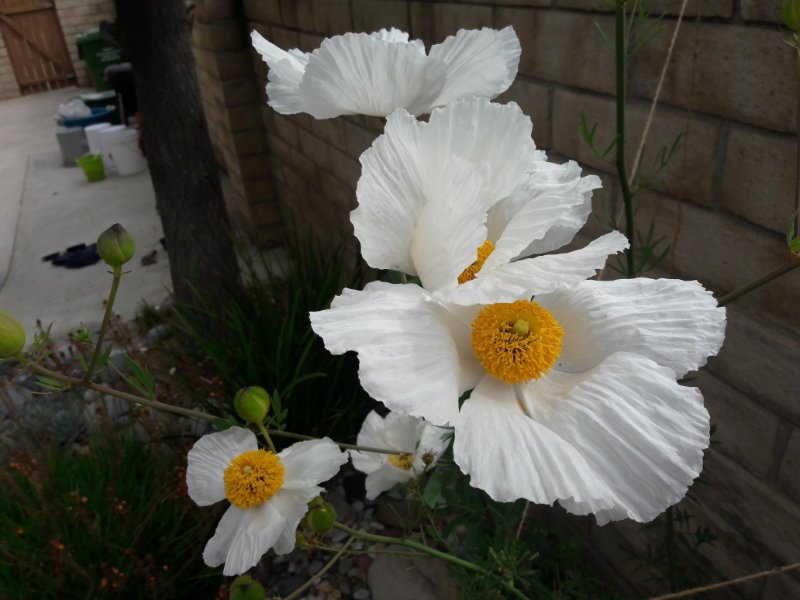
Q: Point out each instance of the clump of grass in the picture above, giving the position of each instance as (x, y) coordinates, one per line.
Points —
(110, 521)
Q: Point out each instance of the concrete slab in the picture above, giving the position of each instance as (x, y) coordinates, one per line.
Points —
(60, 208)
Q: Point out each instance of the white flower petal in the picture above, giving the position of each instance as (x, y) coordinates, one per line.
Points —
(309, 463)
(390, 195)
(538, 275)
(242, 537)
(478, 63)
(384, 479)
(511, 456)
(450, 226)
(292, 505)
(286, 71)
(496, 138)
(392, 35)
(675, 323)
(640, 432)
(408, 359)
(355, 73)
(208, 459)
(543, 213)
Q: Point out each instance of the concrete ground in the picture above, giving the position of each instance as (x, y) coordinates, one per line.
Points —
(45, 208)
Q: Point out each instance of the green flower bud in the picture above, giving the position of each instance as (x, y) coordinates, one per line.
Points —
(12, 335)
(320, 519)
(252, 404)
(116, 246)
(245, 587)
(790, 14)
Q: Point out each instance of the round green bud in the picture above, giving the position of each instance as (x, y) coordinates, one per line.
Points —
(252, 404)
(12, 335)
(320, 519)
(245, 587)
(115, 246)
(790, 14)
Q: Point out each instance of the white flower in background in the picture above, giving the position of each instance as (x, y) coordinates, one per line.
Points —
(458, 200)
(268, 492)
(373, 74)
(420, 443)
(574, 395)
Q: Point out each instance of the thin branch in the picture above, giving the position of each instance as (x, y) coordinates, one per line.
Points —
(321, 572)
(661, 78)
(730, 582)
(789, 265)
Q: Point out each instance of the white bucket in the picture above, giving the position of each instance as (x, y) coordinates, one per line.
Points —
(108, 162)
(123, 146)
(93, 137)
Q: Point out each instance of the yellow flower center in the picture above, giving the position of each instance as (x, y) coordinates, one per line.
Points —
(253, 477)
(516, 342)
(485, 249)
(404, 462)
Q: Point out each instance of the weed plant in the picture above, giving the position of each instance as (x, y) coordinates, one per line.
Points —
(267, 339)
(112, 521)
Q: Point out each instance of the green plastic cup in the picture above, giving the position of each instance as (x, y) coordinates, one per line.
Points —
(92, 165)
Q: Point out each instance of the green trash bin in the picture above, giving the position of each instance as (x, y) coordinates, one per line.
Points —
(98, 54)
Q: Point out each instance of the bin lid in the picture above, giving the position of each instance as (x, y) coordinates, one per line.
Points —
(87, 37)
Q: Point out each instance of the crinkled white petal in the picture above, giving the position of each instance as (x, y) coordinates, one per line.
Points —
(355, 73)
(511, 456)
(478, 62)
(385, 478)
(450, 226)
(243, 536)
(286, 70)
(208, 459)
(308, 463)
(393, 35)
(537, 275)
(292, 505)
(408, 359)
(371, 434)
(496, 138)
(641, 433)
(675, 323)
(390, 195)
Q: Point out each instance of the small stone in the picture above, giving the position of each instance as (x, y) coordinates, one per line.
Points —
(315, 566)
(361, 594)
(345, 565)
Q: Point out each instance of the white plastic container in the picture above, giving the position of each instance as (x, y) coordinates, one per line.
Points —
(93, 137)
(123, 146)
(72, 143)
(108, 161)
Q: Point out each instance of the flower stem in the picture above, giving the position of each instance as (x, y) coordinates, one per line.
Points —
(265, 433)
(98, 349)
(300, 436)
(789, 265)
(627, 197)
(383, 539)
(321, 572)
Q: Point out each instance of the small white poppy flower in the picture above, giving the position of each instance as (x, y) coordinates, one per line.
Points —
(268, 492)
(574, 396)
(420, 443)
(373, 74)
(458, 200)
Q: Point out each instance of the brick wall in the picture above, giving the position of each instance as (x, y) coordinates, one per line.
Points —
(8, 82)
(76, 17)
(723, 202)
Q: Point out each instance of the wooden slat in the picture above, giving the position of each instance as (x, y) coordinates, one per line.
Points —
(18, 30)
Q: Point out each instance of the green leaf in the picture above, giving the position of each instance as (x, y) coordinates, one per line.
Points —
(51, 385)
(221, 424)
(245, 587)
(433, 490)
(140, 378)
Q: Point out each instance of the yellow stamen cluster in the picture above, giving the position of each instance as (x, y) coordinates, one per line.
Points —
(516, 342)
(485, 249)
(404, 462)
(253, 477)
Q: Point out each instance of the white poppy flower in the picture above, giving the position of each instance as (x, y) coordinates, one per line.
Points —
(373, 74)
(574, 396)
(268, 492)
(459, 199)
(420, 442)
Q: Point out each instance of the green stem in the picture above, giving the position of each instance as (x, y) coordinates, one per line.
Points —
(321, 572)
(627, 197)
(112, 296)
(265, 433)
(789, 265)
(797, 163)
(383, 539)
(300, 436)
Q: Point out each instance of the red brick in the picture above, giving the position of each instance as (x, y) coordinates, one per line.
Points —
(789, 474)
(372, 15)
(313, 148)
(252, 141)
(534, 100)
(222, 35)
(265, 11)
(331, 17)
(761, 10)
(703, 8)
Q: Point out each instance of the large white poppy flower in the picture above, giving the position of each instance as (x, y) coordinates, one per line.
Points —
(574, 396)
(458, 199)
(373, 74)
(420, 442)
(268, 492)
